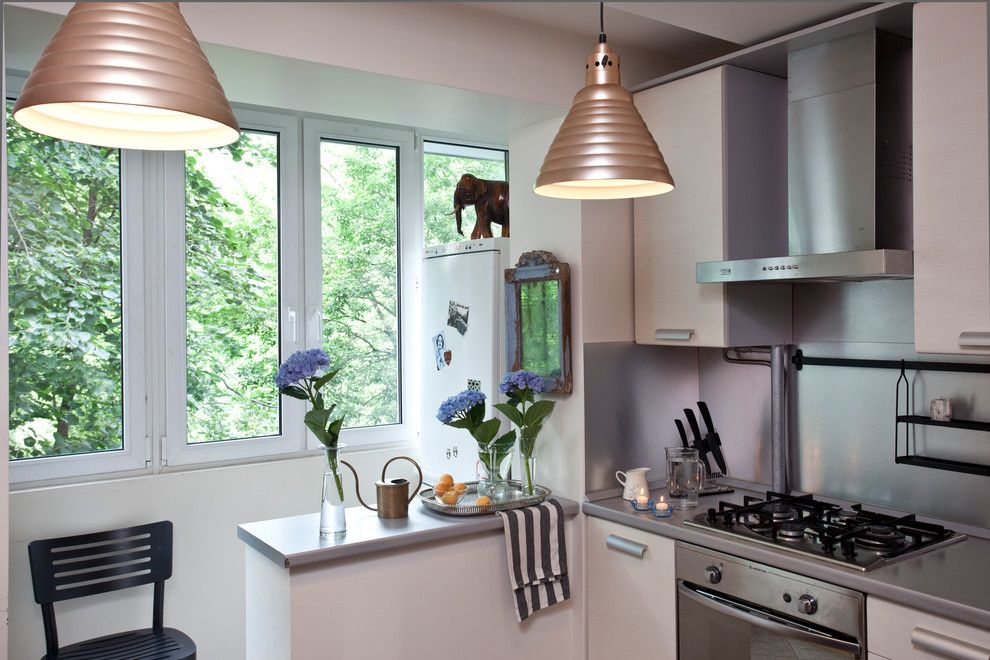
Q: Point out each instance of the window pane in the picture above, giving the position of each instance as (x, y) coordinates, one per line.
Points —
(66, 383)
(443, 166)
(359, 209)
(232, 286)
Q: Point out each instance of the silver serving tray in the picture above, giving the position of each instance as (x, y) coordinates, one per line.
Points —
(466, 507)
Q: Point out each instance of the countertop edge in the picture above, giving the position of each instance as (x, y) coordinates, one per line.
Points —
(859, 581)
(450, 528)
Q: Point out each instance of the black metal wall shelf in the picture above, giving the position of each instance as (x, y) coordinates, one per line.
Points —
(967, 424)
(910, 457)
(944, 464)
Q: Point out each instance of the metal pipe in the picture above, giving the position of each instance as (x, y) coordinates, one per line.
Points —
(779, 440)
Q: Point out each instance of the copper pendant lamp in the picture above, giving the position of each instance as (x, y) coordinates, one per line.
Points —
(129, 75)
(604, 149)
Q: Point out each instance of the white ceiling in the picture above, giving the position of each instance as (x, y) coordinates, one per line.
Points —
(671, 26)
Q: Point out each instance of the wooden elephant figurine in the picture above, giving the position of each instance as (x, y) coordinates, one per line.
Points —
(491, 204)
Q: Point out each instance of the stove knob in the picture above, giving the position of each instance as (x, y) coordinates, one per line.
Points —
(807, 604)
(711, 515)
(714, 574)
(849, 549)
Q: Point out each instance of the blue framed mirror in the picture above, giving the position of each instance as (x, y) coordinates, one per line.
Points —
(538, 319)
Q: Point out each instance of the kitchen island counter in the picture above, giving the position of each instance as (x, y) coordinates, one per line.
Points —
(430, 584)
(296, 541)
(950, 581)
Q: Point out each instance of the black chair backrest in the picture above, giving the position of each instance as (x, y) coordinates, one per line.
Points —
(88, 564)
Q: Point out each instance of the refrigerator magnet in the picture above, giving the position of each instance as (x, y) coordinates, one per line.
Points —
(439, 346)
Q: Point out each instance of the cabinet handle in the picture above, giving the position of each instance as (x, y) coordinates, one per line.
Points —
(973, 338)
(625, 545)
(934, 642)
(673, 334)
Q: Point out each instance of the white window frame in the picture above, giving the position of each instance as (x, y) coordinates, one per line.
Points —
(410, 240)
(177, 451)
(134, 455)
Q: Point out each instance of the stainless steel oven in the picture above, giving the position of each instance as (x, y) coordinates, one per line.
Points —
(735, 609)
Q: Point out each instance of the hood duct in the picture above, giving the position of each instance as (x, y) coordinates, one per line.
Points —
(848, 166)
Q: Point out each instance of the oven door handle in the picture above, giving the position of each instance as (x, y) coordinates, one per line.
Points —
(761, 620)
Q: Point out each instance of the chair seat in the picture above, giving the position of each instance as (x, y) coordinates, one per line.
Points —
(166, 644)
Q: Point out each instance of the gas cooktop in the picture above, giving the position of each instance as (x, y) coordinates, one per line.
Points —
(856, 537)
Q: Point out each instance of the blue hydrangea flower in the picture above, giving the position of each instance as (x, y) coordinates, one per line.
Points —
(301, 364)
(521, 380)
(459, 404)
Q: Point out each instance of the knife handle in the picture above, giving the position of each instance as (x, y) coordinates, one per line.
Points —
(707, 416)
(682, 432)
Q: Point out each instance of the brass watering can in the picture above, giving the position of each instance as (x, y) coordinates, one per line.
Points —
(393, 495)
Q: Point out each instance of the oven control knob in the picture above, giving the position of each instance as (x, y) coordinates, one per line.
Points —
(807, 604)
(713, 574)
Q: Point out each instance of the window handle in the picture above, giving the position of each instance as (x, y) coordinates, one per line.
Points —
(291, 321)
(316, 325)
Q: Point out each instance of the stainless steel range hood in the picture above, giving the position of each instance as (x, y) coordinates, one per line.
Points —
(848, 166)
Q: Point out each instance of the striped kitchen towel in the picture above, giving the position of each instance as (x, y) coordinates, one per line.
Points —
(534, 544)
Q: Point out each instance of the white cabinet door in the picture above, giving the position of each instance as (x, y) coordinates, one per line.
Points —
(895, 631)
(632, 603)
(951, 217)
(678, 229)
(712, 128)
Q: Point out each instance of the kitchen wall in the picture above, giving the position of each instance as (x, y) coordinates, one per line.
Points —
(843, 418)
(844, 433)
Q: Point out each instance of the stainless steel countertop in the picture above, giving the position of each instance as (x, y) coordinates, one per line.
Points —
(296, 541)
(951, 581)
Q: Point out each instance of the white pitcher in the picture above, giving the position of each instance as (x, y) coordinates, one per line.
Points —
(633, 482)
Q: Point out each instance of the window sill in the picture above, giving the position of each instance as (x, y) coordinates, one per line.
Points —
(406, 446)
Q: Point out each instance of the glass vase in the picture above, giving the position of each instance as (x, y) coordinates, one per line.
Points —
(491, 482)
(333, 518)
(528, 476)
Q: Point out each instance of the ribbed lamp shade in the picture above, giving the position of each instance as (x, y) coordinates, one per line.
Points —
(129, 75)
(603, 149)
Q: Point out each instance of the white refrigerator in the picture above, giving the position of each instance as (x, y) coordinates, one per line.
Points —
(464, 339)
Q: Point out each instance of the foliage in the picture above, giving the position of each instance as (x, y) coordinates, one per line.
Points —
(441, 174)
(65, 296)
(359, 196)
(232, 284)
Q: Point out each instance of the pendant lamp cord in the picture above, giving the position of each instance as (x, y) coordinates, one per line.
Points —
(601, 22)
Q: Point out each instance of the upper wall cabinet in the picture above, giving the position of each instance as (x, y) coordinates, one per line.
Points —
(723, 133)
(951, 218)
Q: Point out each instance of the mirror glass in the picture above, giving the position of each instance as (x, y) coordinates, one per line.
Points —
(539, 325)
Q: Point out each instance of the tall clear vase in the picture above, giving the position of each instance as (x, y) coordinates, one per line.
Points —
(333, 518)
(528, 476)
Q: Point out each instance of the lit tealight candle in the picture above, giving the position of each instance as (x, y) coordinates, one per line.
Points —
(662, 506)
(642, 499)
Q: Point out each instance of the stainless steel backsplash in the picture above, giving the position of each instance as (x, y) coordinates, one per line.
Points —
(842, 418)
